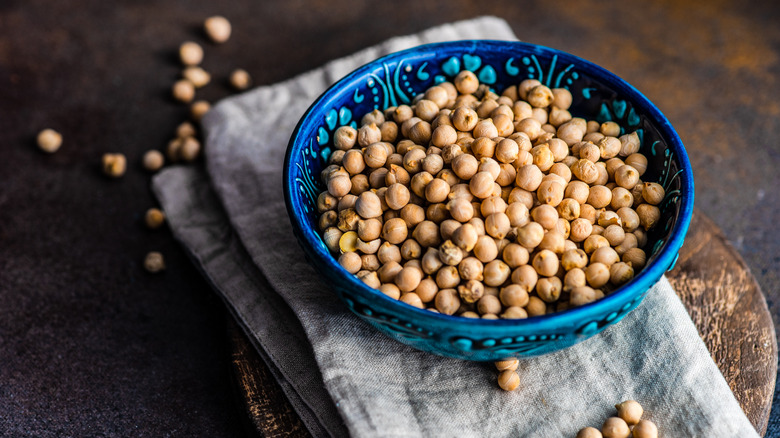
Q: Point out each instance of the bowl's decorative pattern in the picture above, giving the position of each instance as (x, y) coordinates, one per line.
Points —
(397, 79)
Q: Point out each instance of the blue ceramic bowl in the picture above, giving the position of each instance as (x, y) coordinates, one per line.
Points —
(395, 79)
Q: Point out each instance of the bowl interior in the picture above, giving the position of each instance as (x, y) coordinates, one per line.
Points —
(395, 79)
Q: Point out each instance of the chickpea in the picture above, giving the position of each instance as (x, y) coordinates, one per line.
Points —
(470, 268)
(635, 257)
(471, 291)
(585, 171)
(447, 277)
(545, 262)
(626, 176)
(629, 145)
(154, 262)
(550, 192)
(153, 160)
(615, 427)
(606, 255)
(570, 133)
(240, 79)
(114, 165)
(351, 262)
(488, 304)
(447, 301)
(49, 141)
(482, 147)
(466, 82)
(589, 432)
(597, 274)
(536, 307)
(485, 249)
(638, 162)
(574, 278)
(577, 190)
(514, 312)
(629, 218)
(579, 296)
(412, 299)
(549, 289)
(645, 429)
(530, 235)
(653, 193)
(481, 185)
(545, 215)
(649, 215)
(508, 380)
(496, 273)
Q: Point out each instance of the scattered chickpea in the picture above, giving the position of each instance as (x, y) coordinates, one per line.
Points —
(508, 380)
(190, 53)
(114, 165)
(240, 79)
(154, 262)
(589, 432)
(199, 77)
(153, 160)
(615, 427)
(645, 429)
(217, 28)
(154, 218)
(49, 140)
(198, 109)
(183, 90)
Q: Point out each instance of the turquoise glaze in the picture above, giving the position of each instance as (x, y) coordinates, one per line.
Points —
(395, 79)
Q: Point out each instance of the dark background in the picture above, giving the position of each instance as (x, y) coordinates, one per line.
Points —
(91, 345)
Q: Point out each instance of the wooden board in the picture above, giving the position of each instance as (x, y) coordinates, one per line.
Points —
(710, 277)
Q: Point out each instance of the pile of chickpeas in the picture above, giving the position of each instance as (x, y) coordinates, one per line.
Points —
(628, 423)
(485, 206)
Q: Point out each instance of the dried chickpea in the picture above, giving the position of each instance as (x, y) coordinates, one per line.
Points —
(217, 28)
(649, 215)
(645, 429)
(154, 218)
(351, 262)
(574, 278)
(496, 273)
(626, 176)
(489, 304)
(183, 91)
(114, 165)
(153, 160)
(508, 380)
(597, 274)
(154, 262)
(466, 82)
(545, 215)
(412, 299)
(240, 79)
(471, 291)
(49, 140)
(638, 162)
(653, 193)
(589, 432)
(630, 411)
(635, 257)
(447, 301)
(615, 427)
(190, 53)
(546, 263)
(579, 296)
(536, 307)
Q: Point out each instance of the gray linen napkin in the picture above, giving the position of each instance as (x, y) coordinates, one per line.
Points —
(378, 386)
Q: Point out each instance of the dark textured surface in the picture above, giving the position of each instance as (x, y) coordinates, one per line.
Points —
(91, 345)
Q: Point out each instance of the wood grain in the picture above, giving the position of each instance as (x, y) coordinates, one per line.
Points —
(269, 413)
(712, 280)
(732, 317)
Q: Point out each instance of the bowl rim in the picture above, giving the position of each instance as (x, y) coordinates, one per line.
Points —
(664, 260)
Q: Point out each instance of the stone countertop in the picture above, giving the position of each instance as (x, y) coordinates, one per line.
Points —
(92, 345)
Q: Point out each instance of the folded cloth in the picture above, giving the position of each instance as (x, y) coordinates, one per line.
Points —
(371, 385)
